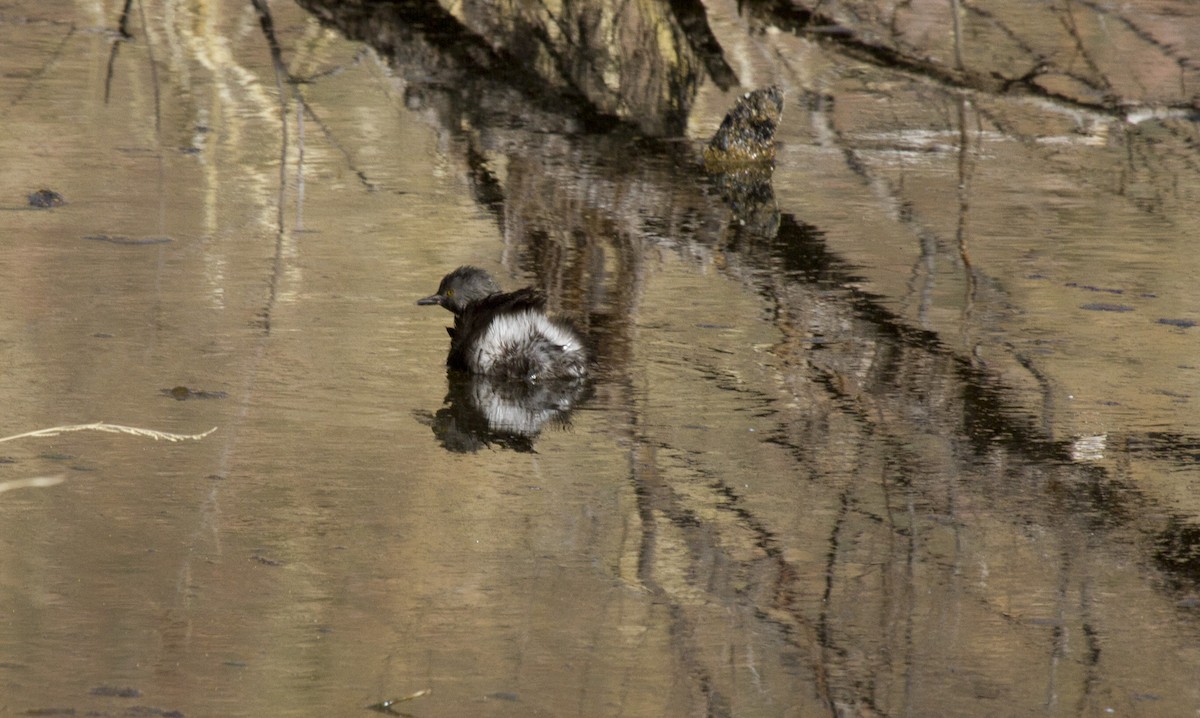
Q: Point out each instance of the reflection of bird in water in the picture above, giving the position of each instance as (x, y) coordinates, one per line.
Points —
(506, 335)
(480, 411)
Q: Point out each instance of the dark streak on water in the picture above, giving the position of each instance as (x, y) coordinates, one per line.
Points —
(130, 241)
(1106, 307)
(1181, 323)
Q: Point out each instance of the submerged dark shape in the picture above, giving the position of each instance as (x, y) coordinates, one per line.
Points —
(116, 691)
(44, 198)
(506, 334)
(182, 393)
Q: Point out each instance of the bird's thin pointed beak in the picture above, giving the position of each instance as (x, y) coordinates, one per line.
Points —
(431, 299)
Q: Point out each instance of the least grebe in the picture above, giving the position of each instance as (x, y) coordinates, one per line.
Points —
(506, 334)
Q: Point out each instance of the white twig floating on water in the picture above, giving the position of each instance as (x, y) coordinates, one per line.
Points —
(44, 481)
(111, 428)
(35, 483)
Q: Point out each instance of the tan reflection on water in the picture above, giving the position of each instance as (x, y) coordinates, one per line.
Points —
(775, 503)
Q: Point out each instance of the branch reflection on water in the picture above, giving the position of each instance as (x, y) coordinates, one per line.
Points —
(918, 454)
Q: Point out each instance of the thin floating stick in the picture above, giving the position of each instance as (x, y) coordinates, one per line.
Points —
(37, 482)
(111, 428)
(388, 706)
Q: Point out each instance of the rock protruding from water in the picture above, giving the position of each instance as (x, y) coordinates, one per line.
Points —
(740, 160)
(747, 134)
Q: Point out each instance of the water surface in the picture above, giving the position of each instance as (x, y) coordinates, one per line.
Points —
(912, 438)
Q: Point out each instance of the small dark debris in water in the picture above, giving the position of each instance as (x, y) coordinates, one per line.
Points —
(215, 477)
(128, 241)
(1091, 288)
(7, 460)
(505, 696)
(1106, 307)
(235, 664)
(1181, 323)
(55, 456)
(190, 150)
(50, 712)
(82, 467)
(116, 692)
(182, 393)
(1046, 621)
(44, 198)
(266, 561)
(102, 335)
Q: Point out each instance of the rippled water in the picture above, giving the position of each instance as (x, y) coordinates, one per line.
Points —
(916, 437)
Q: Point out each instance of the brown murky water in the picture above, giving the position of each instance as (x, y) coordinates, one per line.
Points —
(919, 437)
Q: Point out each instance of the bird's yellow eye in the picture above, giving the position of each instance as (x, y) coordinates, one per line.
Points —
(449, 292)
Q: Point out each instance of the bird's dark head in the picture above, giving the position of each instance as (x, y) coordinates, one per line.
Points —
(461, 287)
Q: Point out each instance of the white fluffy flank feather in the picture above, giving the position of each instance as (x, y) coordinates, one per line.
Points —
(528, 344)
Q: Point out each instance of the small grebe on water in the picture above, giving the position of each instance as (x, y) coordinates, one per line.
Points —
(506, 334)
